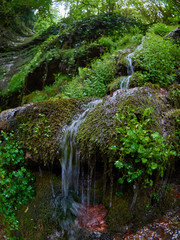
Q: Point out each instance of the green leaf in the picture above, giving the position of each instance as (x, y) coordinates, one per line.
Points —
(155, 135)
(121, 180)
(154, 165)
(113, 147)
(119, 164)
(144, 160)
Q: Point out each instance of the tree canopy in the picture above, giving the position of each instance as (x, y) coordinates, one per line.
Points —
(149, 11)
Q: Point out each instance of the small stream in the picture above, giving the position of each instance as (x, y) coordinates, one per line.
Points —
(130, 70)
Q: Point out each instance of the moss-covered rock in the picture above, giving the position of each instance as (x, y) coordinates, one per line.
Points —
(36, 221)
(114, 85)
(136, 80)
(121, 62)
(174, 95)
(98, 132)
(39, 127)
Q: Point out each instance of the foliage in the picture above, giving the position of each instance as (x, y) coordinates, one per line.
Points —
(158, 59)
(146, 10)
(107, 42)
(161, 29)
(19, 9)
(144, 154)
(151, 11)
(91, 81)
(36, 132)
(96, 26)
(15, 180)
(128, 40)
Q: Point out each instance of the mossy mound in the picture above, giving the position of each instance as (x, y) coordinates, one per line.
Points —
(115, 85)
(136, 80)
(98, 132)
(174, 95)
(39, 127)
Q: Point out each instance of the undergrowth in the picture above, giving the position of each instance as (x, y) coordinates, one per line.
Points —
(15, 180)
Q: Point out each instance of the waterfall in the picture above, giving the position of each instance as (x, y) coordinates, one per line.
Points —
(67, 201)
(70, 161)
(130, 70)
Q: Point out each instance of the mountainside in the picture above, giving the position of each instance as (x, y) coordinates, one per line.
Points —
(90, 130)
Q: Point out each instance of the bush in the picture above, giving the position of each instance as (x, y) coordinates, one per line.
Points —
(107, 42)
(15, 180)
(158, 59)
(144, 154)
(161, 29)
(91, 81)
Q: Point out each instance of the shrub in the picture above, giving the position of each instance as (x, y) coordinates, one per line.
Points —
(161, 29)
(91, 81)
(144, 154)
(107, 42)
(15, 180)
(158, 59)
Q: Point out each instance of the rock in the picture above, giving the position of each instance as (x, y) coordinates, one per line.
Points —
(175, 34)
(136, 80)
(39, 127)
(121, 63)
(7, 117)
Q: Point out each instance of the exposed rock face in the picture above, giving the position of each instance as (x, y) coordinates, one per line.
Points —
(8, 117)
(175, 34)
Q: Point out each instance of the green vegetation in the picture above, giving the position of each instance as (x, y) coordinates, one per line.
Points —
(38, 130)
(158, 60)
(61, 64)
(15, 180)
(144, 154)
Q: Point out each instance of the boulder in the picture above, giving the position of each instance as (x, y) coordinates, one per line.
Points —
(175, 34)
(39, 127)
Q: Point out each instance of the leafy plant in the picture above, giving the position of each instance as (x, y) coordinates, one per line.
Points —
(161, 29)
(107, 42)
(144, 154)
(15, 180)
(92, 81)
(158, 60)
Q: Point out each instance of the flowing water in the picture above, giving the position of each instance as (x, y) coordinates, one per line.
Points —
(130, 70)
(68, 202)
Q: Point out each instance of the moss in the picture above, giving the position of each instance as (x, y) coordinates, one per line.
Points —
(174, 95)
(35, 97)
(136, 80)
(113, 86)
(121, 63)
(149, 206)
(36, 217)
(119, 215)
(173, 126)
(98, 132)
(39, 127)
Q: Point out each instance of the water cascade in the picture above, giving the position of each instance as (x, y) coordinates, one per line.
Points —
(68, 202)
(130, 70)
